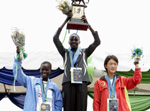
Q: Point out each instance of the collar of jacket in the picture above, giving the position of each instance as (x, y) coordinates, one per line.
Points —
(117, 76)
(51, 86)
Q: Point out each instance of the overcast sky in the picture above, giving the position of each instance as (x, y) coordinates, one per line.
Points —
(122, 25)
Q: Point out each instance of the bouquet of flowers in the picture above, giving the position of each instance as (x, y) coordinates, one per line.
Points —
(19, 40)
(65, 7)
(137, 53)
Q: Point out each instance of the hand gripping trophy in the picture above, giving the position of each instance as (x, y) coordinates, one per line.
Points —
(77, 10)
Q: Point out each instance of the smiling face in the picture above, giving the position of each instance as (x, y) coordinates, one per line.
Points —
(74, 41)
(45, 70)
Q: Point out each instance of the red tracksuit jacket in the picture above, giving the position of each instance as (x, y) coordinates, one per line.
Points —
(101, 91)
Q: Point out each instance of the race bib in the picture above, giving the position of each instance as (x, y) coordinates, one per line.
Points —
(76, 75)
(112, 104)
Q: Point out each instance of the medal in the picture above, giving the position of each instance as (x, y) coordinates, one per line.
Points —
(43, 106)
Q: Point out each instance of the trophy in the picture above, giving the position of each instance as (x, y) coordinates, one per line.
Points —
(78, 11)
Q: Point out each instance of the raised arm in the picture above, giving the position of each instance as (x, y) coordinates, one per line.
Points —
(56, 40)
(21, 77)
(96, 42)
(131, 82)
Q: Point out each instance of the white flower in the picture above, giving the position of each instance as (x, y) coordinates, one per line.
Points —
(18, 39)
(65, 7)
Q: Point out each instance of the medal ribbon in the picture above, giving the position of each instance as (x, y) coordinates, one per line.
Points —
(73, 59)
(111, 87)
(44, 90)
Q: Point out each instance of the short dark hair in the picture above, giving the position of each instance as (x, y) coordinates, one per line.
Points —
(108, 58)
(72, 35)
(47, 62)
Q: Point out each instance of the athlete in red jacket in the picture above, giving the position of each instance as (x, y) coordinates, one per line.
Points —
(117, 90)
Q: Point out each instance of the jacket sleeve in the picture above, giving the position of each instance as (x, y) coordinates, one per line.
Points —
(131, 82)
(58, 43)
(58, 100)
(96, 100)
(20, 77)
(93, 46)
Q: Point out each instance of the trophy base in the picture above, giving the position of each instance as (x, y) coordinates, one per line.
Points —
(76, 24)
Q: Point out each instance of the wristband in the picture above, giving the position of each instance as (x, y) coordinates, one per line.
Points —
(136, 62)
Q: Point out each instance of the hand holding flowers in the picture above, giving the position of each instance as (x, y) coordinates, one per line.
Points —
(65, 7)
(136, 54)
(19, 40)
